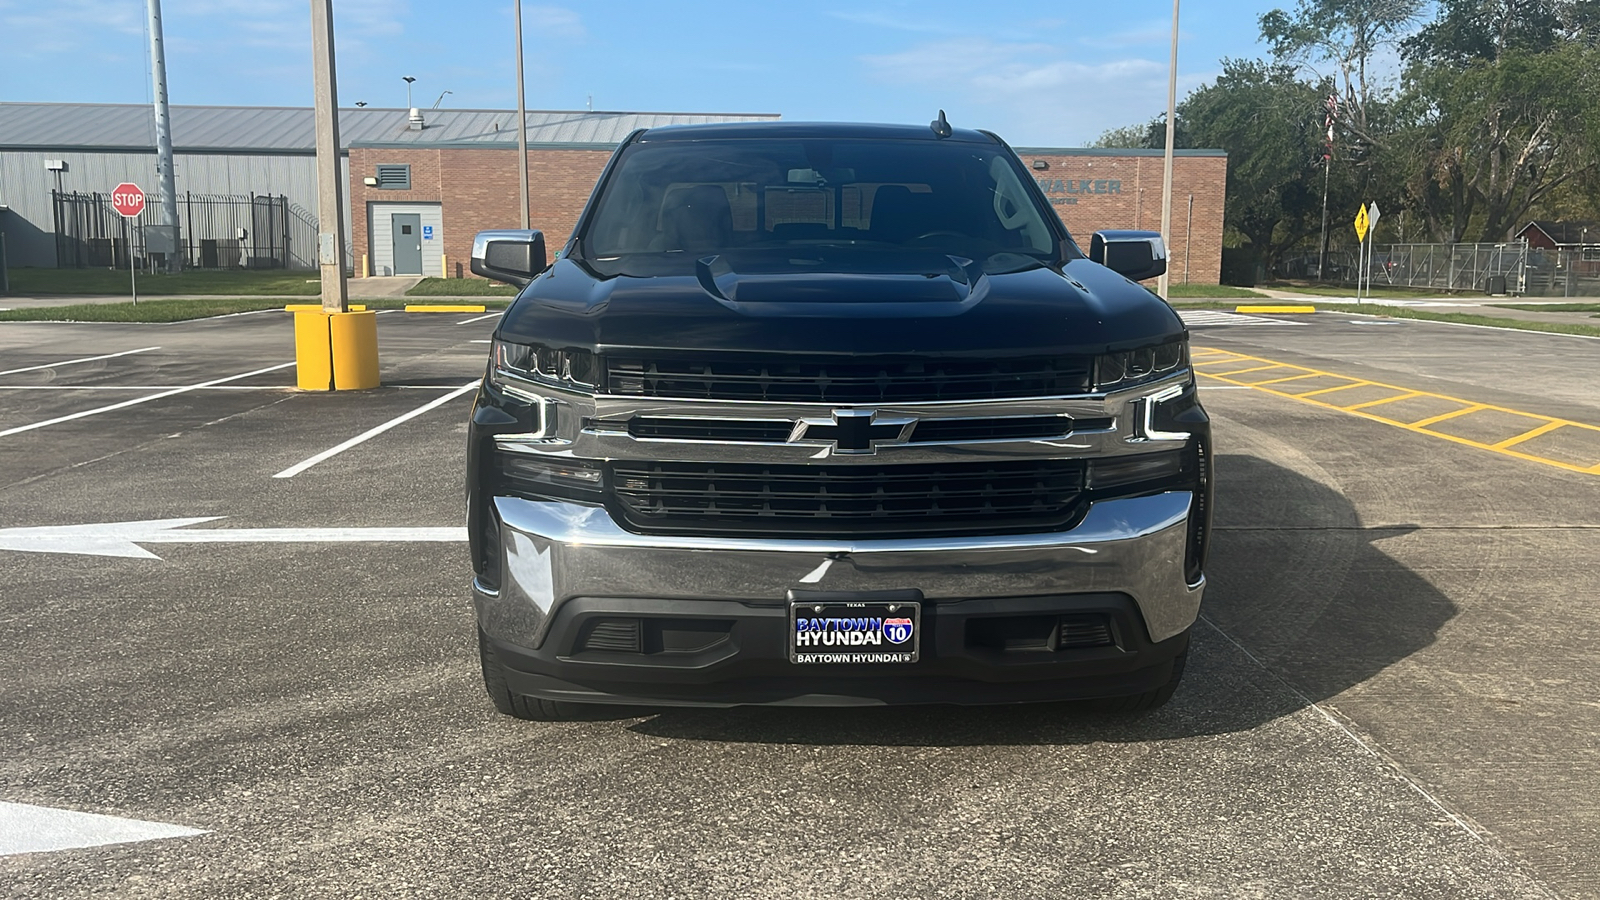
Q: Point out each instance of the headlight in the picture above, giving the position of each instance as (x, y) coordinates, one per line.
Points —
(542, 477)
(1114, 371)
(570, 369)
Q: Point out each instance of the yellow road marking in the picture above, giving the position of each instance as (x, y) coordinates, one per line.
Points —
(1342, 387)
(1546, 428)
(1504, 448)
(1282, 380)
(317, 307)
(428, 308)
(1469, 408)
(1275, 309)
(1406, 396)
(1242, 371)
(1212, 362)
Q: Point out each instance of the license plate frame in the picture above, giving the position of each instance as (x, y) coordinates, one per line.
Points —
(835, 616)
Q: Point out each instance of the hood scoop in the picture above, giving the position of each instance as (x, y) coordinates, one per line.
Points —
(949, 291)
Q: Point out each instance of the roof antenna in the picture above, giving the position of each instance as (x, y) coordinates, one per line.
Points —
(941, 126)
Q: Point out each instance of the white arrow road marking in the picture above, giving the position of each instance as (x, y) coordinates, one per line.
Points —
(79, 360)
(40, 829)
(123, 538)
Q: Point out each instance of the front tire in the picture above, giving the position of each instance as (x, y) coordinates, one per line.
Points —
(518, 706)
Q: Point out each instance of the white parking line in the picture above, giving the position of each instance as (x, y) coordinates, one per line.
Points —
(68, 362)
(331, 452)
(492, 315)
(480, 342)
(222, 387)
(137, 400)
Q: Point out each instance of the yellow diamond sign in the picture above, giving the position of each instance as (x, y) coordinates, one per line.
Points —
(1361, 224)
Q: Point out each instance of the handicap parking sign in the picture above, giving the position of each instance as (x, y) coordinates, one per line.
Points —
(427, 232)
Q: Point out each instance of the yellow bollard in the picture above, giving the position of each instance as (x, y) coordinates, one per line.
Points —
(365, 272)
(444, 266)
(353, 338)
(313, 353)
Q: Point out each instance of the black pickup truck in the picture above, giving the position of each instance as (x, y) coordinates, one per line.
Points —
(818, 414)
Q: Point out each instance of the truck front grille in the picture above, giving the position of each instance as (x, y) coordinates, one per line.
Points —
(834, 501)
(849, 380)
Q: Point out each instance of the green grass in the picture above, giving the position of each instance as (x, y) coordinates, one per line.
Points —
(208, 282)
(1207, 291)
(461, 287)
(179, 310)
(1349, 290)
(1403, 312)
(1334, 290)
(1552, 307)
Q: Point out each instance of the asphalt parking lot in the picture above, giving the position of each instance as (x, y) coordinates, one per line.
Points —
(273, 676)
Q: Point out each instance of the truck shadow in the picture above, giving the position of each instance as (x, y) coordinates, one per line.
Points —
(1301, 606)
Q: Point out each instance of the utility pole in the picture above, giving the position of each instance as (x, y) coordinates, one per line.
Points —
(330, 206)
(1165, 283)
(169, 190)
(522, 126)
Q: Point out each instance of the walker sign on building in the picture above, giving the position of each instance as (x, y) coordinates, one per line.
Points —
(127, 199)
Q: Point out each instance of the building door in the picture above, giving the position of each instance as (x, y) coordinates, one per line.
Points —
(407, 231)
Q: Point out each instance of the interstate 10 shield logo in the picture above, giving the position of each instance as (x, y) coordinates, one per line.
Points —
(898, 631)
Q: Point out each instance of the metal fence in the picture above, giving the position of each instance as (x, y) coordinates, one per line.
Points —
(216, 231)
(1485, 268)
(1509, 268)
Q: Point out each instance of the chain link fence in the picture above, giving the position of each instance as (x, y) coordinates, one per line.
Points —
(1509, 268)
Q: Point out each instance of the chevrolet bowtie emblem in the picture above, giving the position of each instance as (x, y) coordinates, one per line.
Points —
(853, 431)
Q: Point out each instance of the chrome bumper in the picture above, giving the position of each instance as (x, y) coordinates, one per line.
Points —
(554, 552)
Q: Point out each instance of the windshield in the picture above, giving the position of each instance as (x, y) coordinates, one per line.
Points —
(670, 203)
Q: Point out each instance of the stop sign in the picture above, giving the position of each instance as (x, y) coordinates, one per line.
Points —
(128, 199)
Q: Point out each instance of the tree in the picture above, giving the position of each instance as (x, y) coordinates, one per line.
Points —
(1271, 124)
(1508, 111)
(1346, 34)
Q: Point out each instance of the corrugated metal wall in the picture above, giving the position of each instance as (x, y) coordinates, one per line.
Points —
(25, 186)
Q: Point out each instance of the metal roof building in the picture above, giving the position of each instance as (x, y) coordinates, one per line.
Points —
(242, 151)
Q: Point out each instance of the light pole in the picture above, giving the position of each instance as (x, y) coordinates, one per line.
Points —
(408, 80)
(441, 99)
(522, 127)
(1165, 283)
(330, 203)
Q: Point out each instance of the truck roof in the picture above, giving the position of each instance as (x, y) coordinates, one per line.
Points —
(799, 130)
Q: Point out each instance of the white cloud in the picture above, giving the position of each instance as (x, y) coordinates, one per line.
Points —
(36, 30)
(553, 21)
(1033, 94)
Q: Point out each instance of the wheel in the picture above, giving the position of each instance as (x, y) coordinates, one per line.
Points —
(1151, 699)
(532, 709)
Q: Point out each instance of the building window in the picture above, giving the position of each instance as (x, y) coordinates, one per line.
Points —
(1591, 254)
(394, 177)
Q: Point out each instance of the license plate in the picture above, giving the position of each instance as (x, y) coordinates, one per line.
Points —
(832, 631)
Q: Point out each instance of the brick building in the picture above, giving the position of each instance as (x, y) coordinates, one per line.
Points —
(422, 190)
(1096, 189)
(455, 190)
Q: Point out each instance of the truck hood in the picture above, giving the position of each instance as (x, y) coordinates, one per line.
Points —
(953, 309)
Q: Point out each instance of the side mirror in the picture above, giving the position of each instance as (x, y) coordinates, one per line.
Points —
(511, 256)
(1135, 255)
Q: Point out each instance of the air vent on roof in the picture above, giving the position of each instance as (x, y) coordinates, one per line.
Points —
(394, 177)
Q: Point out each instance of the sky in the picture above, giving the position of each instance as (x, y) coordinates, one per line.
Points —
(1041, 74)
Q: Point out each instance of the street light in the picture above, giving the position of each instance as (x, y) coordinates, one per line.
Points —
(441, 99)
(408, 80)
(522, 127)
(1166, 168)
